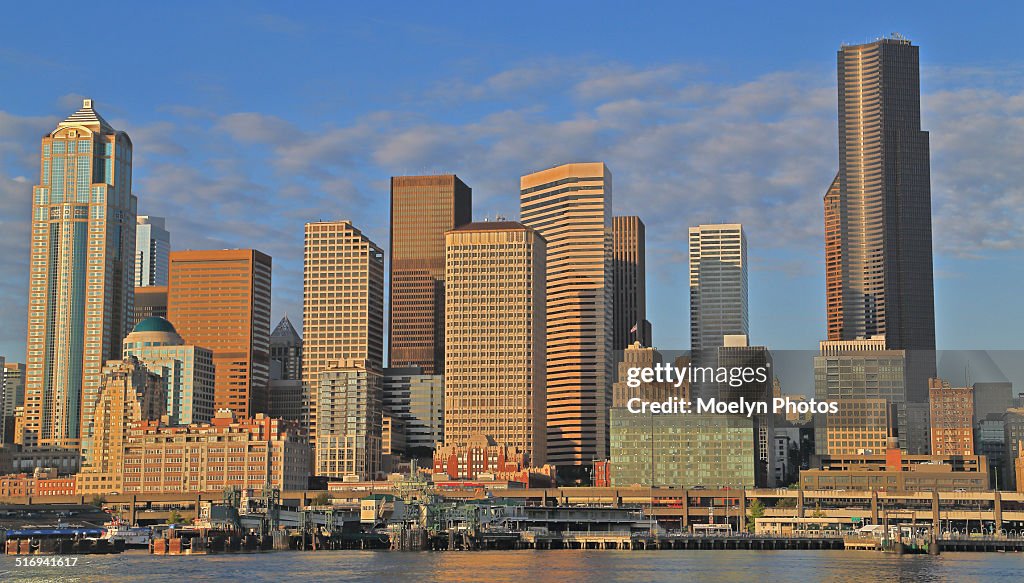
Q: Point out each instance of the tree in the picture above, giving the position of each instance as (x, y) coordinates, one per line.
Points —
(321, 499)
(97, 500)
(754, 511)
(175, 518)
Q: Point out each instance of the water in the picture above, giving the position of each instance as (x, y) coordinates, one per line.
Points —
(533, 567)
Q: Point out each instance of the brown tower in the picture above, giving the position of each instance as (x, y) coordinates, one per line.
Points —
(342, 310)
(630, 277)
(423, 208)
(495, 360)
(220, 300)
(570, 207)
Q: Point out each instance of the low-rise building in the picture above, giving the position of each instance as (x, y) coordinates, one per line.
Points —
(208, 457)
(682, 449)
(898, 472)
(41, 482)
(481, 458)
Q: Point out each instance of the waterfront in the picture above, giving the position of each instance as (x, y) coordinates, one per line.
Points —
(534, 566)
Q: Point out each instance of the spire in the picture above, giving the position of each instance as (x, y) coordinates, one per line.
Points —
(285, 333)
(87, 116)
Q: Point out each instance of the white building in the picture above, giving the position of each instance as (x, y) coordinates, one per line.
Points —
(152, 248)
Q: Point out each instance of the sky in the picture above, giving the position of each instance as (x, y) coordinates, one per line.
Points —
(250, 119)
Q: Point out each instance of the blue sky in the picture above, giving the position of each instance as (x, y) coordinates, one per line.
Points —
(250, 119)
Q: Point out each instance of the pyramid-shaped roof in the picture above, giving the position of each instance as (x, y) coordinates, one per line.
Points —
(285, 333)
(87, 116)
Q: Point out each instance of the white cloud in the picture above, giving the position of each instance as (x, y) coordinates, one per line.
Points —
(682, 149)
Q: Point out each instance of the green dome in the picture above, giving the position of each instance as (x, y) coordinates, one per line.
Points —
(155, 324)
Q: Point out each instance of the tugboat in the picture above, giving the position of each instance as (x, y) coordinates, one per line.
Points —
(134, 537)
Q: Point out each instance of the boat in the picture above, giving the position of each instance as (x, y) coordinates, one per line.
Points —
(62, 540)
(134, 537)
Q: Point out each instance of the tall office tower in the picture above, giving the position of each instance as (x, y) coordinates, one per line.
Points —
(718, 292)
(416, 399)
(630, 281)
(494, 336)
(878, 209)
(152, 248)
(187, 371)
(343, 305)
(952, 418)
(150, 301)
(80, 285)
(220, 300)
(570, 207)
(349, 430)
(131, 393)
(865, 369)
(13, 398)
(285, 352)
(423, 209)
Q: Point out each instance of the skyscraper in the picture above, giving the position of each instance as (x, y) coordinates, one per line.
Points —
(285, 352)
(718, 288)
(220, 300)
(878, 209)
(343, 305)
(152, 248)
(423, 209)
(630, 279)
(494, 336)
(80, 284)
(570, 207)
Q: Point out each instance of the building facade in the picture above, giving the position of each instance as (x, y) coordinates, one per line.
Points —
(859, 426)
(152, 250)
(737, 354)
(418, 400)
(494, 336)
(285, 352)
(150, 301)
(629, 268)
(878, 209)
(718, 290)
(220, 300)
(211, 457)
(570, 207)
(481, 458)
(637, 356)
(952, 419)
(130, 394)
(423, 209)
(682, 449)
(187, 372)
(865, 369)
(13, 398)
(80, 282)
(286, 400)
(343, 306)
(349, 439)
